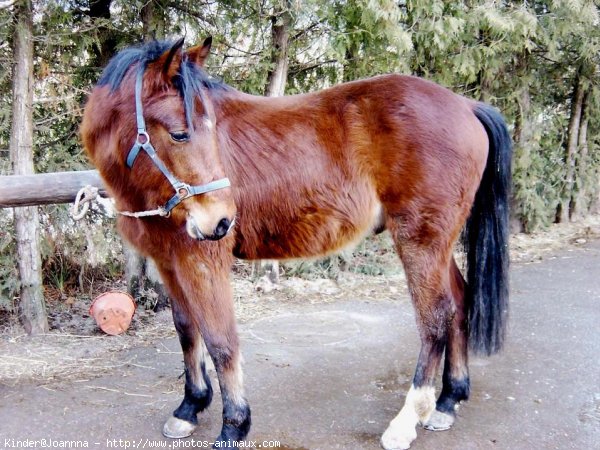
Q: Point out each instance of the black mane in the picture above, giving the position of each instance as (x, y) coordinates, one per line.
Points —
(118, 66)
(189, 80)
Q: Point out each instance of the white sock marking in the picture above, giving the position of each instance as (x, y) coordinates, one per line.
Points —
(419, 404)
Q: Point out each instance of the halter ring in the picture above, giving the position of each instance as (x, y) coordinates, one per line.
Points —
(144, 135)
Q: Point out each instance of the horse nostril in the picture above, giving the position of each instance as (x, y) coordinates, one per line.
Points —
(222, 228)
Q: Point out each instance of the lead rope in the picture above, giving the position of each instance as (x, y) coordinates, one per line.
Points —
(89, 194)
(153, 212)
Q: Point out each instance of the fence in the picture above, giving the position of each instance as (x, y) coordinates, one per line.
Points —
(33, 190)
(46, 188)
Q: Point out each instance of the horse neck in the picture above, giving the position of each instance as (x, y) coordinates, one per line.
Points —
(249, 123)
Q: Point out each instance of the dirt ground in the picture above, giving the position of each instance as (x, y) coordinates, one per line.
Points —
(328, 363)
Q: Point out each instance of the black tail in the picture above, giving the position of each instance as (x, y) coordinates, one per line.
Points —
(486, 240)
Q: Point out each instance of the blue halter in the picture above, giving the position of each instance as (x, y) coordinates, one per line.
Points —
(142, 142)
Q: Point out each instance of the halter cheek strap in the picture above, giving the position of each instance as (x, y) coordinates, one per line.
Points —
(142, 142)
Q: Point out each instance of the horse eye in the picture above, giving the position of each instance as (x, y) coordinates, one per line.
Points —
(180, 136)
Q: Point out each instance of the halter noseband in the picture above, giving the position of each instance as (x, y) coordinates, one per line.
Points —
(142, 142)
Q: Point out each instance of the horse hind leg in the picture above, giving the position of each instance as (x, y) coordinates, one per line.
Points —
(455, 379)
(426, 267)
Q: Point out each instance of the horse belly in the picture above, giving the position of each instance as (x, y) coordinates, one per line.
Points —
(321, 224)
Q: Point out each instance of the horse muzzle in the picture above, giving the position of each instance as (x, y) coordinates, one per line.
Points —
(200, 232)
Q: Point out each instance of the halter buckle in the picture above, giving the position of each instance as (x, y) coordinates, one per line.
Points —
(183, 190)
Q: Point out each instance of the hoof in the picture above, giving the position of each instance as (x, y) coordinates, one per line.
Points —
(177, 429)
(439, 421)
(398, 437)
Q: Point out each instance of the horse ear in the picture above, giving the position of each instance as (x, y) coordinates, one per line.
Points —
(170, 60)
(199, 53)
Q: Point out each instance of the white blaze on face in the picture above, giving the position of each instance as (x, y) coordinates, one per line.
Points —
(419, 404)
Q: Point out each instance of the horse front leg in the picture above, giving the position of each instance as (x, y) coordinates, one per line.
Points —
(210, 306)
(198, 390)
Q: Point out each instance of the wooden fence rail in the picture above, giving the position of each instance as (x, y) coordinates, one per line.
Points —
(46, 188)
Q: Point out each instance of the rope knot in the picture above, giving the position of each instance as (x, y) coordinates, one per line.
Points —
(84, 197)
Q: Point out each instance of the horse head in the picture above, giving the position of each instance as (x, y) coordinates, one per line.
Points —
(150, 129)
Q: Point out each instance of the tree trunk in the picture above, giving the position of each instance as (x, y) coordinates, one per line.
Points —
(350, 56)
(143, 280)
(154, 282)
(135, 273)
(31, 306)
(280, 40)
(522, 138)
(153, 20)
(579, 206)
(141, 274)
(485, 86)
(484, 77)
(281, 21)
(134, 269)
(106, 45)
(103, 51)
(564, 208)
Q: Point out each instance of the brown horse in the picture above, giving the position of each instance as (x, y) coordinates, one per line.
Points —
(307, 175)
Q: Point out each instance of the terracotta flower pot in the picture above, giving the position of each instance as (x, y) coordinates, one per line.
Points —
(113, 311)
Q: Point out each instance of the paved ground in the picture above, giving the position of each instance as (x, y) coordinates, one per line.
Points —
(332, 376)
